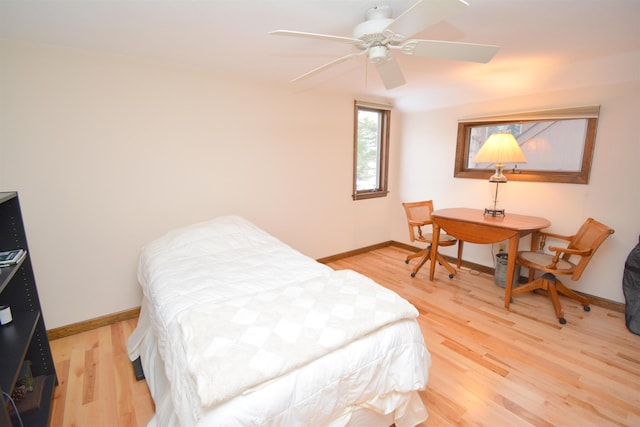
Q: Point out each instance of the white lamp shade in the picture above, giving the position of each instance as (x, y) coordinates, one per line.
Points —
(501, 147)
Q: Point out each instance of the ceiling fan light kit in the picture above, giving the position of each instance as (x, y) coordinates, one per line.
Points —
(378, 54)
(379, 34)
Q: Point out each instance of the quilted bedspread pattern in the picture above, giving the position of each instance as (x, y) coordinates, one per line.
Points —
(245, 341)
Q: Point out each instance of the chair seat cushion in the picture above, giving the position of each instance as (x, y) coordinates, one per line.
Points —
(444, 240)
(540, 261)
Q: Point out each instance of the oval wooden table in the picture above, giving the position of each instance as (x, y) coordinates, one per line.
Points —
(471, 225)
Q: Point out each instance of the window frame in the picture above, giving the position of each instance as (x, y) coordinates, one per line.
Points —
(381, 189)
(589, 113)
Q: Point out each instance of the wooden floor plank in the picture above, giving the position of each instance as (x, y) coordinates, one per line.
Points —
(490, 366)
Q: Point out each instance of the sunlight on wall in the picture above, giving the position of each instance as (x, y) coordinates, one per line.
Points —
(507, 78)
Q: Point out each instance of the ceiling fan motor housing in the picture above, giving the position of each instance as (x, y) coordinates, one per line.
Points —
(371, 30)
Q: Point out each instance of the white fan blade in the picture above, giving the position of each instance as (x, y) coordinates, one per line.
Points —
(328, 65)
(390, 73)
(325, 37)
(423, 14)
(450, 50)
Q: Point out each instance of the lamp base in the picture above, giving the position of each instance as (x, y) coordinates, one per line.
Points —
(494, 212)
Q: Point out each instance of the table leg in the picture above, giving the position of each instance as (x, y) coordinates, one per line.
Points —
(511, 266)
(434, 249)
(535, 239)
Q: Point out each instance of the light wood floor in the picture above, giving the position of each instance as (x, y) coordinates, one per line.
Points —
(490, 366)
(96, 384)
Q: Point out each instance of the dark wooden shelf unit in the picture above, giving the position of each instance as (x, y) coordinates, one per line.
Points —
(25, 338)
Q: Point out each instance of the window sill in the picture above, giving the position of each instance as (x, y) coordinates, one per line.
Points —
(369, 194)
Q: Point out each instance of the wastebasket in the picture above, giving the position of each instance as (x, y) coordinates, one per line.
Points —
(500, 276)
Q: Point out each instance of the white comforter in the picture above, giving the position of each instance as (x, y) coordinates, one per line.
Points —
(242, 342)
(233, 308)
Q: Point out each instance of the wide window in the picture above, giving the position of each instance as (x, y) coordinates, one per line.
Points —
(558, 144)
(371, 150)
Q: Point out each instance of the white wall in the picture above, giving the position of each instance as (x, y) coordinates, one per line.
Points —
(108, 152)
(425, 171)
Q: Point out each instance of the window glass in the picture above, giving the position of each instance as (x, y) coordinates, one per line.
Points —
(370, 151)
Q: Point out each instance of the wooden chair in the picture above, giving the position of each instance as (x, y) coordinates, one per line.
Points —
(418, 216)
(571, 260)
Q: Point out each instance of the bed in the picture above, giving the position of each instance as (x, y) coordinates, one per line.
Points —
(239, 329)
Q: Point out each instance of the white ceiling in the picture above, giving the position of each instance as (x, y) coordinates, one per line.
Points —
(545, 44)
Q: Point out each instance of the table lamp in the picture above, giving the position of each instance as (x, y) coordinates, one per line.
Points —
(500, 148)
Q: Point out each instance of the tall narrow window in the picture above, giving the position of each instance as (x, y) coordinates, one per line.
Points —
(371, 150)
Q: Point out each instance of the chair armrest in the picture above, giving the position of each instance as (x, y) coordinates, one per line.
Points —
(542, 239)
(560, 251)
(557, 236)
(418, 225)
(581, 252)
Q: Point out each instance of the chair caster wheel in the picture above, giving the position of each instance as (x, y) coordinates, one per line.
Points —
(586, 308)
(406, 261)
(451, 276)
(562, 320)
(413, 274)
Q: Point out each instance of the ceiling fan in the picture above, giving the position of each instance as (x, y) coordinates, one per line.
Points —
(379, 35)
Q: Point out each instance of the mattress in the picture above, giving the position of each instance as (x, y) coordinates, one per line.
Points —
(237, 328)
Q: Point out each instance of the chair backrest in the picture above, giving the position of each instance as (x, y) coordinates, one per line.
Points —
(418, 215)
(590, 236)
